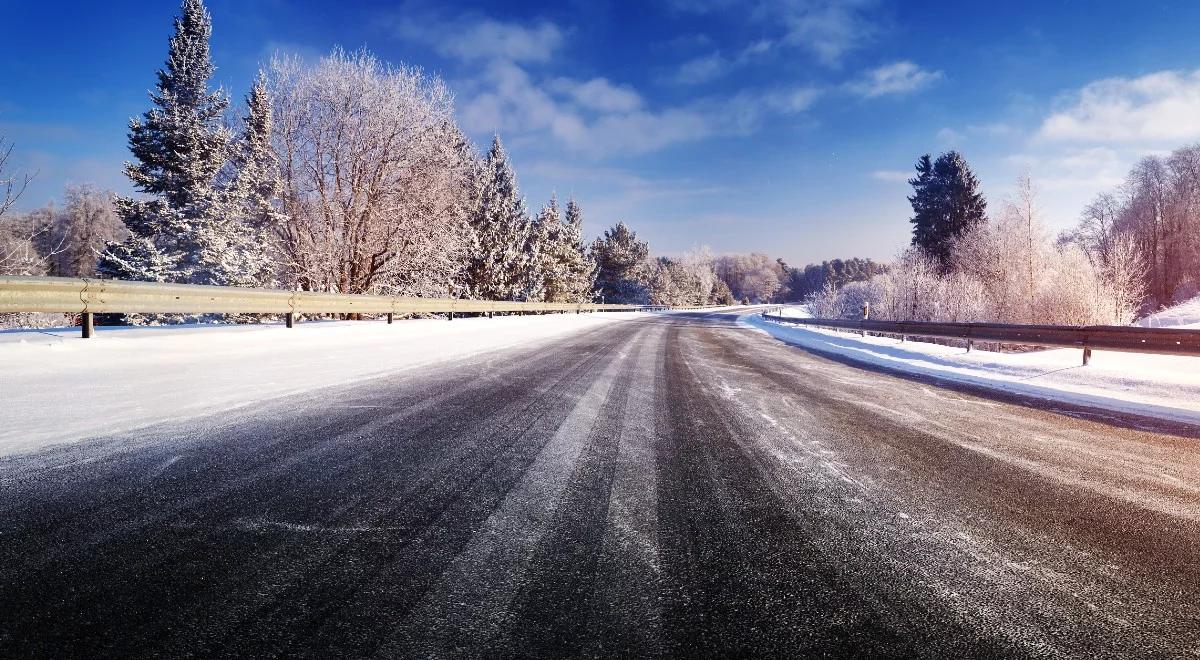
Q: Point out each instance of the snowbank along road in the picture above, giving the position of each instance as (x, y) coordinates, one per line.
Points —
(670, 485)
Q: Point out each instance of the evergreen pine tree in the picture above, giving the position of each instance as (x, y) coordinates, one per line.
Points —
(547, 268)
(579, 267)
(924, 220)
(466, 162)
(621, 266)
(242, 252)
(946, 202)
(500, 268)
(180, 147)
(566, 272)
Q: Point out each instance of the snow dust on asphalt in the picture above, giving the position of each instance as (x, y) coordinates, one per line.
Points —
(668, 485)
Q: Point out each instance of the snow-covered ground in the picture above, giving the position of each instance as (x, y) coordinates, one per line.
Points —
(1162, 386)
(56, 387)
(1185, 315)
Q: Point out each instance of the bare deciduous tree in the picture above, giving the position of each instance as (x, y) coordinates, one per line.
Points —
(18, 234)
(85, 224)
(375, 184)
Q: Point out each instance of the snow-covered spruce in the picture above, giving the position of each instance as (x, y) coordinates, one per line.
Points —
(180, 146)
(561, 268)
(502, 268)
(622, 268)
(245, 256)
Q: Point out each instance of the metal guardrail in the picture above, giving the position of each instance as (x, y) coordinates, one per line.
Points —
(96, 296)
(1163, 341)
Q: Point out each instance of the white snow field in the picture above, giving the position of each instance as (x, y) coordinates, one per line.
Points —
(1161, 386)
(56, 387)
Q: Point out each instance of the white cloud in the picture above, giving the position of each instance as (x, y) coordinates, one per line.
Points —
(1094, 168)
(597, 117)
(472, 39)
(826, 29)
(891, 176)
(1155, 108)
(714, 65)
(594, 117)
(791, 101)
(632, 186)
(901, 77)
(994, 129)
(702, 69)
(758, 48)
(949, 138)
(599, 94)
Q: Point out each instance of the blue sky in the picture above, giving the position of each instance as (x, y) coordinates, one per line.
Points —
(782, 126)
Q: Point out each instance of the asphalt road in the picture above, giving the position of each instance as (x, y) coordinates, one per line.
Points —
(673, 486)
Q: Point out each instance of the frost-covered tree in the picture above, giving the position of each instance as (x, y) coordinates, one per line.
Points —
(544, 273)
(1005, 270)
(1157, 207)
(18, 234)
(1124, 269)
(721, 295)
(27, 242)
(85, 224)
(464, 160)
(687, 280)
(501, 269)
(12, 185)
(622, 271)
(754, 277)
(946, 202)
(376, 179)
(565, 268)
(253, 219)
(180, 147)
(578, 267)
(700, 265)
(800, 283)
(673, 283)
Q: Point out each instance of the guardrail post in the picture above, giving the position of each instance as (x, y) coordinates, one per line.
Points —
(290, 319)
(87, 322)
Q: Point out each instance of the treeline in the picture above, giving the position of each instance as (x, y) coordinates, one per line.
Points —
(800, 284)
(60, 241)
(968, 264)
(350, 175)
(344, 175)
(1155, 215)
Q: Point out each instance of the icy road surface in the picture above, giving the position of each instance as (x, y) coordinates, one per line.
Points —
(664, 485)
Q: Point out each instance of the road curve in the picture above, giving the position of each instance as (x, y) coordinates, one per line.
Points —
(671, 486)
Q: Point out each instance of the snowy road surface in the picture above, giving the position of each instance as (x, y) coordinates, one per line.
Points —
(664, 485)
